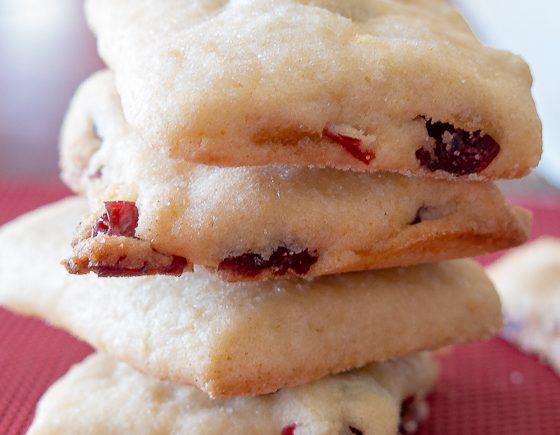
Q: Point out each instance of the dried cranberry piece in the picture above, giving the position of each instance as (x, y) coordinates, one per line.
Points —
(284, 259)
(457, 151)
(280, 262)
(355, 431)
(351, 144)
(248, 264)
(288, 430)
(120, 219)
(176, 268)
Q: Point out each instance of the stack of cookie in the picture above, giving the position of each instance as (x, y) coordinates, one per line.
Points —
(278, 189)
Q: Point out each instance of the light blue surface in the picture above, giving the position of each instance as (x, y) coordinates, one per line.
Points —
(531, 29)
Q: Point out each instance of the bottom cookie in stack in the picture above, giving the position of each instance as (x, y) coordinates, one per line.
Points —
(102, 396)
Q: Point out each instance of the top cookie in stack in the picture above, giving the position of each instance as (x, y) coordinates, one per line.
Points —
(369, 85)
(398, 88)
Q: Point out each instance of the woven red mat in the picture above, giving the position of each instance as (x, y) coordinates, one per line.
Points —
(485, 388)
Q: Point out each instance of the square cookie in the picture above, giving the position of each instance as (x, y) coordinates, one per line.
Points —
(242, 338)
(367, 85)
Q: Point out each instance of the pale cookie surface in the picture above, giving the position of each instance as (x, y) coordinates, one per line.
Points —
(242, 338)
(100, 396)
(392, 85)
(528, 281)
(265, 222)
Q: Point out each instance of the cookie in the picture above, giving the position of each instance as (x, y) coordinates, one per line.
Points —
(265, 222)
(528, 281)
(99, 395)
(242, 338)
(368, 85)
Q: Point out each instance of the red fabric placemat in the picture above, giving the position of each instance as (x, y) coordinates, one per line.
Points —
(485, 388)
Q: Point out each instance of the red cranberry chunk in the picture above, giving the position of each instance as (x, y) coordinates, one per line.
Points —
(248, 264)
(288, 430)
(350, 144)
(120, 219)
(457, 151)
(282, 261)
(355, 431)
(176, 268)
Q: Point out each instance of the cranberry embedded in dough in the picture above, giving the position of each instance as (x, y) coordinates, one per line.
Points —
(457, 151)
(120, 219)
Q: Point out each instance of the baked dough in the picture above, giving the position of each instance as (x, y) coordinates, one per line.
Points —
(347, 84)
(242, 338)
(100, 396)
